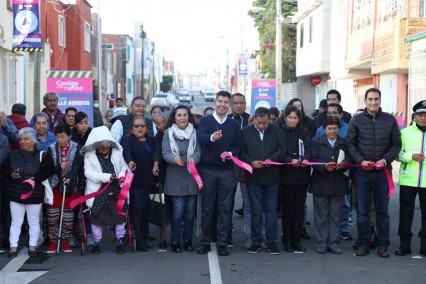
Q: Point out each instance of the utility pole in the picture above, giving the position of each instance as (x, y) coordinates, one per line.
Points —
(99, 35)
(278, 52)
(142, 77)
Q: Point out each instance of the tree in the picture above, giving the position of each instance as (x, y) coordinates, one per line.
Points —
(166, 85)
(265, 23)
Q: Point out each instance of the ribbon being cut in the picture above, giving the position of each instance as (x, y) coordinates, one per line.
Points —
(27, 195)
(193, 171)
(238, 162)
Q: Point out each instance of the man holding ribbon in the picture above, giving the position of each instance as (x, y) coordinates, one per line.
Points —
(262, 142)
(218, 136)
(373, 142)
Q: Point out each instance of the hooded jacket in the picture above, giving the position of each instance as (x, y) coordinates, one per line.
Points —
(98, 138)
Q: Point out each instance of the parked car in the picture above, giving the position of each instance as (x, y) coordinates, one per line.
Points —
(209, 95)
(165, 100)
(184, 96)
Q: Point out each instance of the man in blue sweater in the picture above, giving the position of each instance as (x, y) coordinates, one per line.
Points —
(217, 134)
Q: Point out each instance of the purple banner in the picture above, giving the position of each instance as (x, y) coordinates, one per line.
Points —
(262, 94)
(26, 26)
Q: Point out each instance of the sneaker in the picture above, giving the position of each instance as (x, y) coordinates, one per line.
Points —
(351, 222)
(119, 248)
(96, 249)
(346, 237)
(2, 250)
(66, 247)
(272, 248)
(52, 246)
(254, 249)
(230, 244)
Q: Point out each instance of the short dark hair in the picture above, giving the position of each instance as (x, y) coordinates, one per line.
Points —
(172, 116)
(119, 99)
(154, 107)
(333, 91)
(261, 112)
(137, 98)
(323, 103)
(238, 95)
(302, 111)
(330, 120)
(19, 109)
(70, 109)
(290, 109)
(223, 94)
(63, 128)
(339, 107)
(372, 90)
(206, 109)
(79, 116)
(274, 111)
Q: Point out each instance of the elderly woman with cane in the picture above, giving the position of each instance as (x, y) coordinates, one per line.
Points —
(25, 170)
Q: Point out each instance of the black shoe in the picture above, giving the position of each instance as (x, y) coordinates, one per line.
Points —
(253, 249)
(13, 254)
(287, 247)
(346, 237)
(402, 251)
(141, 248)
(2, 250)
(176, 248)
(203, 249)
(305, 234)
(187, 246)
(230, 244)
(223, 251)
(298, 247)
(149, 237)
(96, 249)
(272, 248)
(240, 211)
(355, 246)
(119, 249)
(32, 252)
(162, 244)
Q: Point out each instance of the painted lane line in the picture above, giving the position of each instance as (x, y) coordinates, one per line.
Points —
(16, 262)
(215, 275)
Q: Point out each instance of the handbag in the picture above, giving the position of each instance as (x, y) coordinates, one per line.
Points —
(158, 211)
(48, 192)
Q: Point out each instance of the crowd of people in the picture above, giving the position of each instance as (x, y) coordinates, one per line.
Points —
(274, 157)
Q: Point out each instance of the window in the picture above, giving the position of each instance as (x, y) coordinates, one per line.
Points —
(311, 23)
(390, 11)
(87, 36)
(7, 79)
(422, 8)
(61, 31)
(302, 31)
(362, 14)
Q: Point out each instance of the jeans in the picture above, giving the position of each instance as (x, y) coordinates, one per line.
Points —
(246, 208)
(346, 211)
(218, 189)
(366, 183)
(407, 198)
(263, 200)
(183, 209)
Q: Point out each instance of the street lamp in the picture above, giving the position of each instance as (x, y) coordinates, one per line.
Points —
(278, 52)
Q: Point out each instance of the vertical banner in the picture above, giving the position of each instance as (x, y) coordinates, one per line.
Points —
(26, 26)
(242, 66)
(74, 89)
(263, 94)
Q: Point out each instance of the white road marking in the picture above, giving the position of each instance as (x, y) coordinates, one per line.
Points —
(215, 275)
(9, 274)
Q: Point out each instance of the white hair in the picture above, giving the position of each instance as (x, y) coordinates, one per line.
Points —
(30, 132)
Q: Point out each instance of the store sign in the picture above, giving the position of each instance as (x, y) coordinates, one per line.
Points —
(263, 94)
(26, 26)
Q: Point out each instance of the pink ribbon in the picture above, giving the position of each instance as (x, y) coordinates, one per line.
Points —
(124, 192)
(82, 199)
(238, 162)
(372, 165)
(31, 182)
(195, 175)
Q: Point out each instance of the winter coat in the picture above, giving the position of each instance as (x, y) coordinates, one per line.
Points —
(179, 182)
(29, 165)
(272, 147)
(289, 174)
(373, 138)
(98, 138)
(326, 183)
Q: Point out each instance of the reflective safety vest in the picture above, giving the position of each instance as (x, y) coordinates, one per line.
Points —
(412, 173)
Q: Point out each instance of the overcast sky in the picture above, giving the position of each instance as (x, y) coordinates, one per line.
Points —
(195, 33)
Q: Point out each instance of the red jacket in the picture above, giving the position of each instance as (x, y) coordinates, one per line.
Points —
(20, 122)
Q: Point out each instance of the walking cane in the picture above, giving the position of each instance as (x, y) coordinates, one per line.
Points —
(60, 220)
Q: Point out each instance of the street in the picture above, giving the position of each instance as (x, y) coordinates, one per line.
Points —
(157, 266)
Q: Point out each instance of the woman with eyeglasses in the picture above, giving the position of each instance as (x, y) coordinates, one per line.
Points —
(328, 185)
(180, 148)
(138, 152)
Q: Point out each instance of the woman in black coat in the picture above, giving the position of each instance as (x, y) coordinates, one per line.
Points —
(305, 120)
(329, 184)
(294, 179)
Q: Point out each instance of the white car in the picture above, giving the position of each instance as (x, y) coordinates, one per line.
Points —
(184, 96)
(209, 95)
(164, 100)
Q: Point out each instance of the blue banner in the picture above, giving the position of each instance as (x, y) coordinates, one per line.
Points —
(26, 26)
(262, 94)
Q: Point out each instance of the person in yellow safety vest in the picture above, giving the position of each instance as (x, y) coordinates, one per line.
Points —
(412, 179)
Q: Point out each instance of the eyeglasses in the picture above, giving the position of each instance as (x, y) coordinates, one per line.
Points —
(139, 125)
(332, 113)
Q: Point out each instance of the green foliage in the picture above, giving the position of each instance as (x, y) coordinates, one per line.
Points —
(265, 23)
(166, 85)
